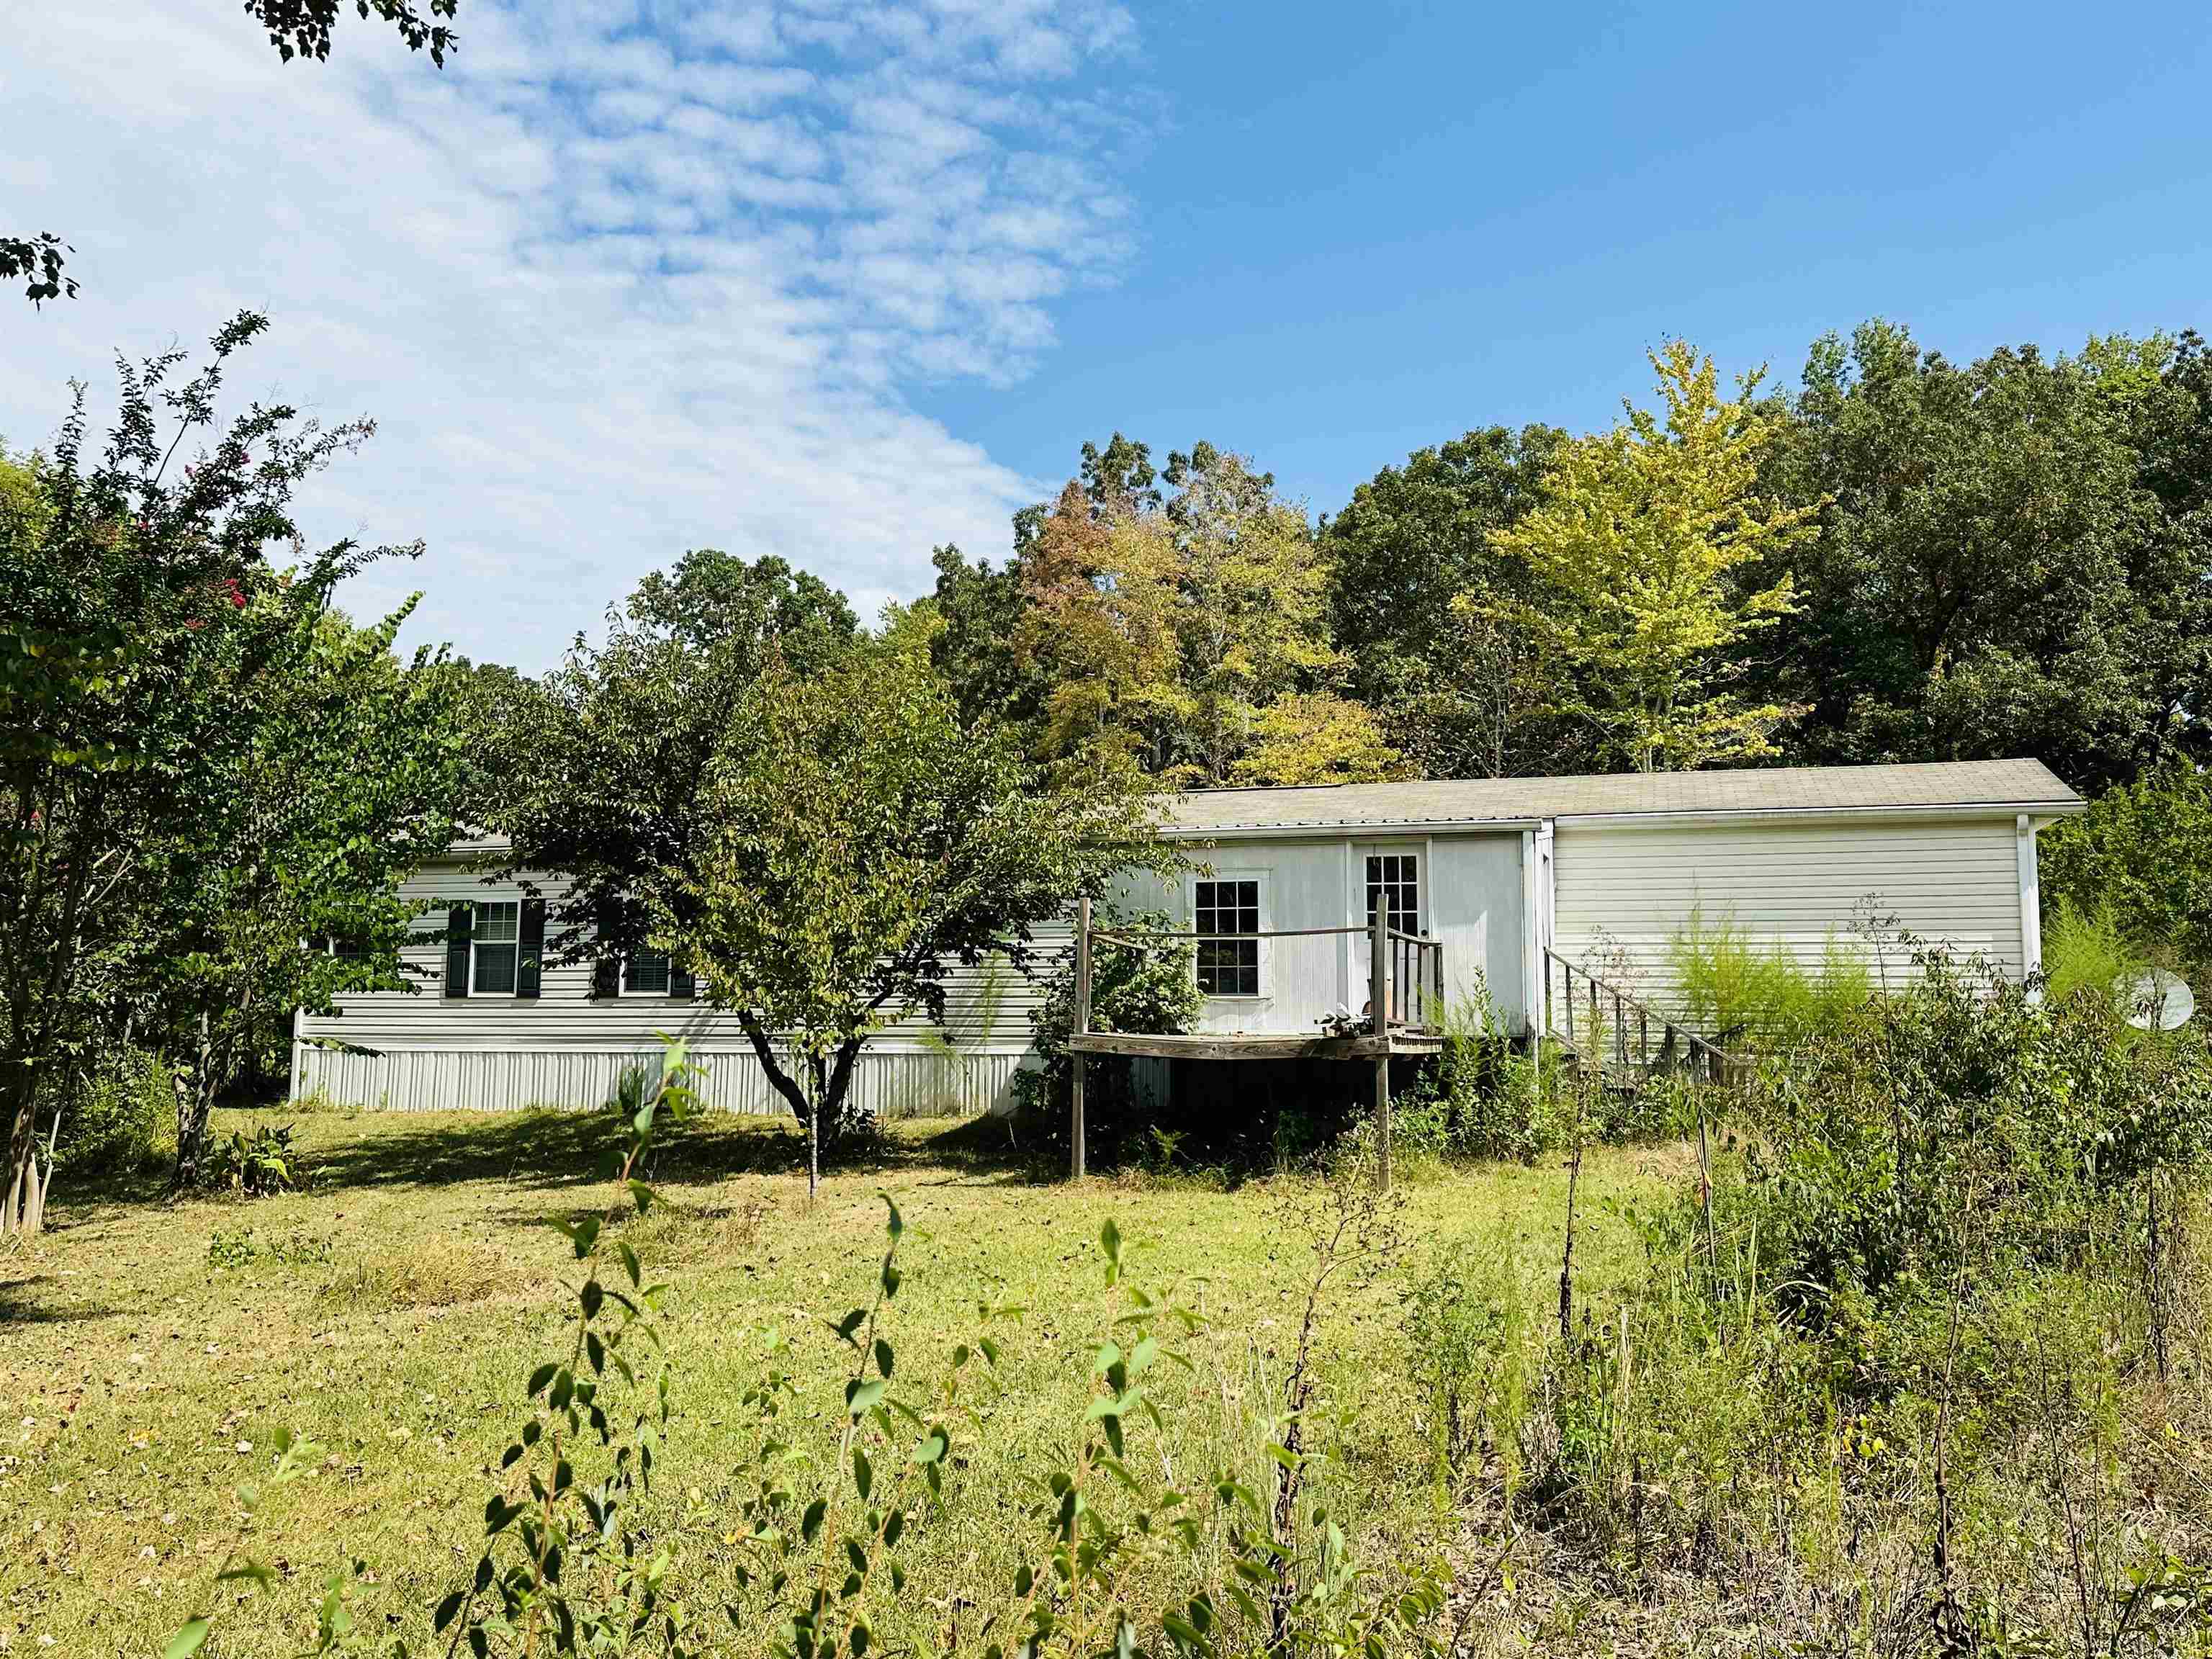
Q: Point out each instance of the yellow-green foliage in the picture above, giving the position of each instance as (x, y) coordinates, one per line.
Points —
(1761, 996)
(2084, 950)
(1646, 544)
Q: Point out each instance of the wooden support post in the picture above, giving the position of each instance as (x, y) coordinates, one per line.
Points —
(1378, 994)
(1082, 1027)
(1383, 1120)
(1378, 969)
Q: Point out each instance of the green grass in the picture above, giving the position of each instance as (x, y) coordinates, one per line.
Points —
(393, 1316)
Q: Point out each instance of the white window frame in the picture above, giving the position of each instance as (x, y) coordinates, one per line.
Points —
(1395, 850)
(478, 908)
(1267, 956)
(668, 976)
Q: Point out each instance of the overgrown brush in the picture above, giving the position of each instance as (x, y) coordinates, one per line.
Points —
(1929, 1375)
(1761, 997)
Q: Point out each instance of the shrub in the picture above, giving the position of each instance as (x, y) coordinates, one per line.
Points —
(1746, 996)
(1964, 1121)
(122, 1119)
(1478, 1097)
(2143, 853)
(259, 1163)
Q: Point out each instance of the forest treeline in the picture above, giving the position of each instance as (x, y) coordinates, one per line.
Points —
(1901, 558)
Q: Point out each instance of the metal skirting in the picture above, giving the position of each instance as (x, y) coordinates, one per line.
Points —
(890, 1084)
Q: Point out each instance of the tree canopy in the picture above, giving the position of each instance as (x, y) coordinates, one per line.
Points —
(200, 763)
(1640, 549)
(2014, 554)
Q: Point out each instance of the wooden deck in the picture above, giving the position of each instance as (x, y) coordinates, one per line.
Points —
(1405, 1002)
(1255, 1045)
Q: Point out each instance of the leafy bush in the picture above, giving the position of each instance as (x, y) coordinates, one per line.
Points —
(1744, 995)
(2087, 951)
(122, 1119)
(1477, 1097)
(257, 1163)
(2143, 853)
(1963, 1127)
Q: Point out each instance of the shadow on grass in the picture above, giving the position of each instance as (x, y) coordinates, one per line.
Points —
(553, 1149)
(24, 1302)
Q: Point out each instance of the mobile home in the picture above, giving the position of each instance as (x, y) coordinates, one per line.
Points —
(1484, 888)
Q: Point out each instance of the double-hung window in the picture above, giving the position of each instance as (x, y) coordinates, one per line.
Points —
(1393, 885)
(494, 944)
(646, 975)
(1227, 967)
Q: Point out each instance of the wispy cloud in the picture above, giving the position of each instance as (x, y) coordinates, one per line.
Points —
(624, 279)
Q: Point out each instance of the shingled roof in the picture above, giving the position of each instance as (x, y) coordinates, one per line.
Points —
(2010, 785)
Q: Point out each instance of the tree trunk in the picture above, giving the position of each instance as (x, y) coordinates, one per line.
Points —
(17, 1215)
(195, 1106)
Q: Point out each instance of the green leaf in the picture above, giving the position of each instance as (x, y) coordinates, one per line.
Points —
(860, 1397)
(882, 1355)
(864, 1473)
(187, 1640)
(641, 1195)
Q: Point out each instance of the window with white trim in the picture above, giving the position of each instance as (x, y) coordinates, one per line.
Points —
(1227, 967)
(494, 943)
(1393, 881)
(646, 975)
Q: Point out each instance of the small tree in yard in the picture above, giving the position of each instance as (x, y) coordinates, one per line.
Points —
(160, 719)
(349, 781)
(856, 840)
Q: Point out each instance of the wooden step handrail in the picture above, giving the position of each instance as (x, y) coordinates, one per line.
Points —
(1717, 1061)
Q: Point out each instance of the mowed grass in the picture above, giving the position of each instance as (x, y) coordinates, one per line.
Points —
(148, 1357)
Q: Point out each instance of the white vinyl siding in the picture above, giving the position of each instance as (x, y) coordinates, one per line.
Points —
(565, 1049)
(1465, 888)
(1624, 894)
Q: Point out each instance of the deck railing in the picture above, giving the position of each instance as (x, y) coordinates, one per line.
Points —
(1405, 990)
(1607, 1026)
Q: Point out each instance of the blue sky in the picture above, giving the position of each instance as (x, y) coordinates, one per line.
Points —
(841, 279)
(1366, 229)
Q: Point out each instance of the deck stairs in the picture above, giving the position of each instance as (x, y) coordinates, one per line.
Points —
(1602, 1026)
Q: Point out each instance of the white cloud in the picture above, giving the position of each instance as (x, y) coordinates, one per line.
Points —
(622, 280)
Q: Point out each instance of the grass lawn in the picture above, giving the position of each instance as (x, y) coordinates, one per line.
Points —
(149, 1351)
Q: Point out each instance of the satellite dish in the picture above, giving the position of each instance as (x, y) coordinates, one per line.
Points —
(2159, 1001)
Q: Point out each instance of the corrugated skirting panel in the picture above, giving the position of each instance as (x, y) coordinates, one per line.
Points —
(890, 1083)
